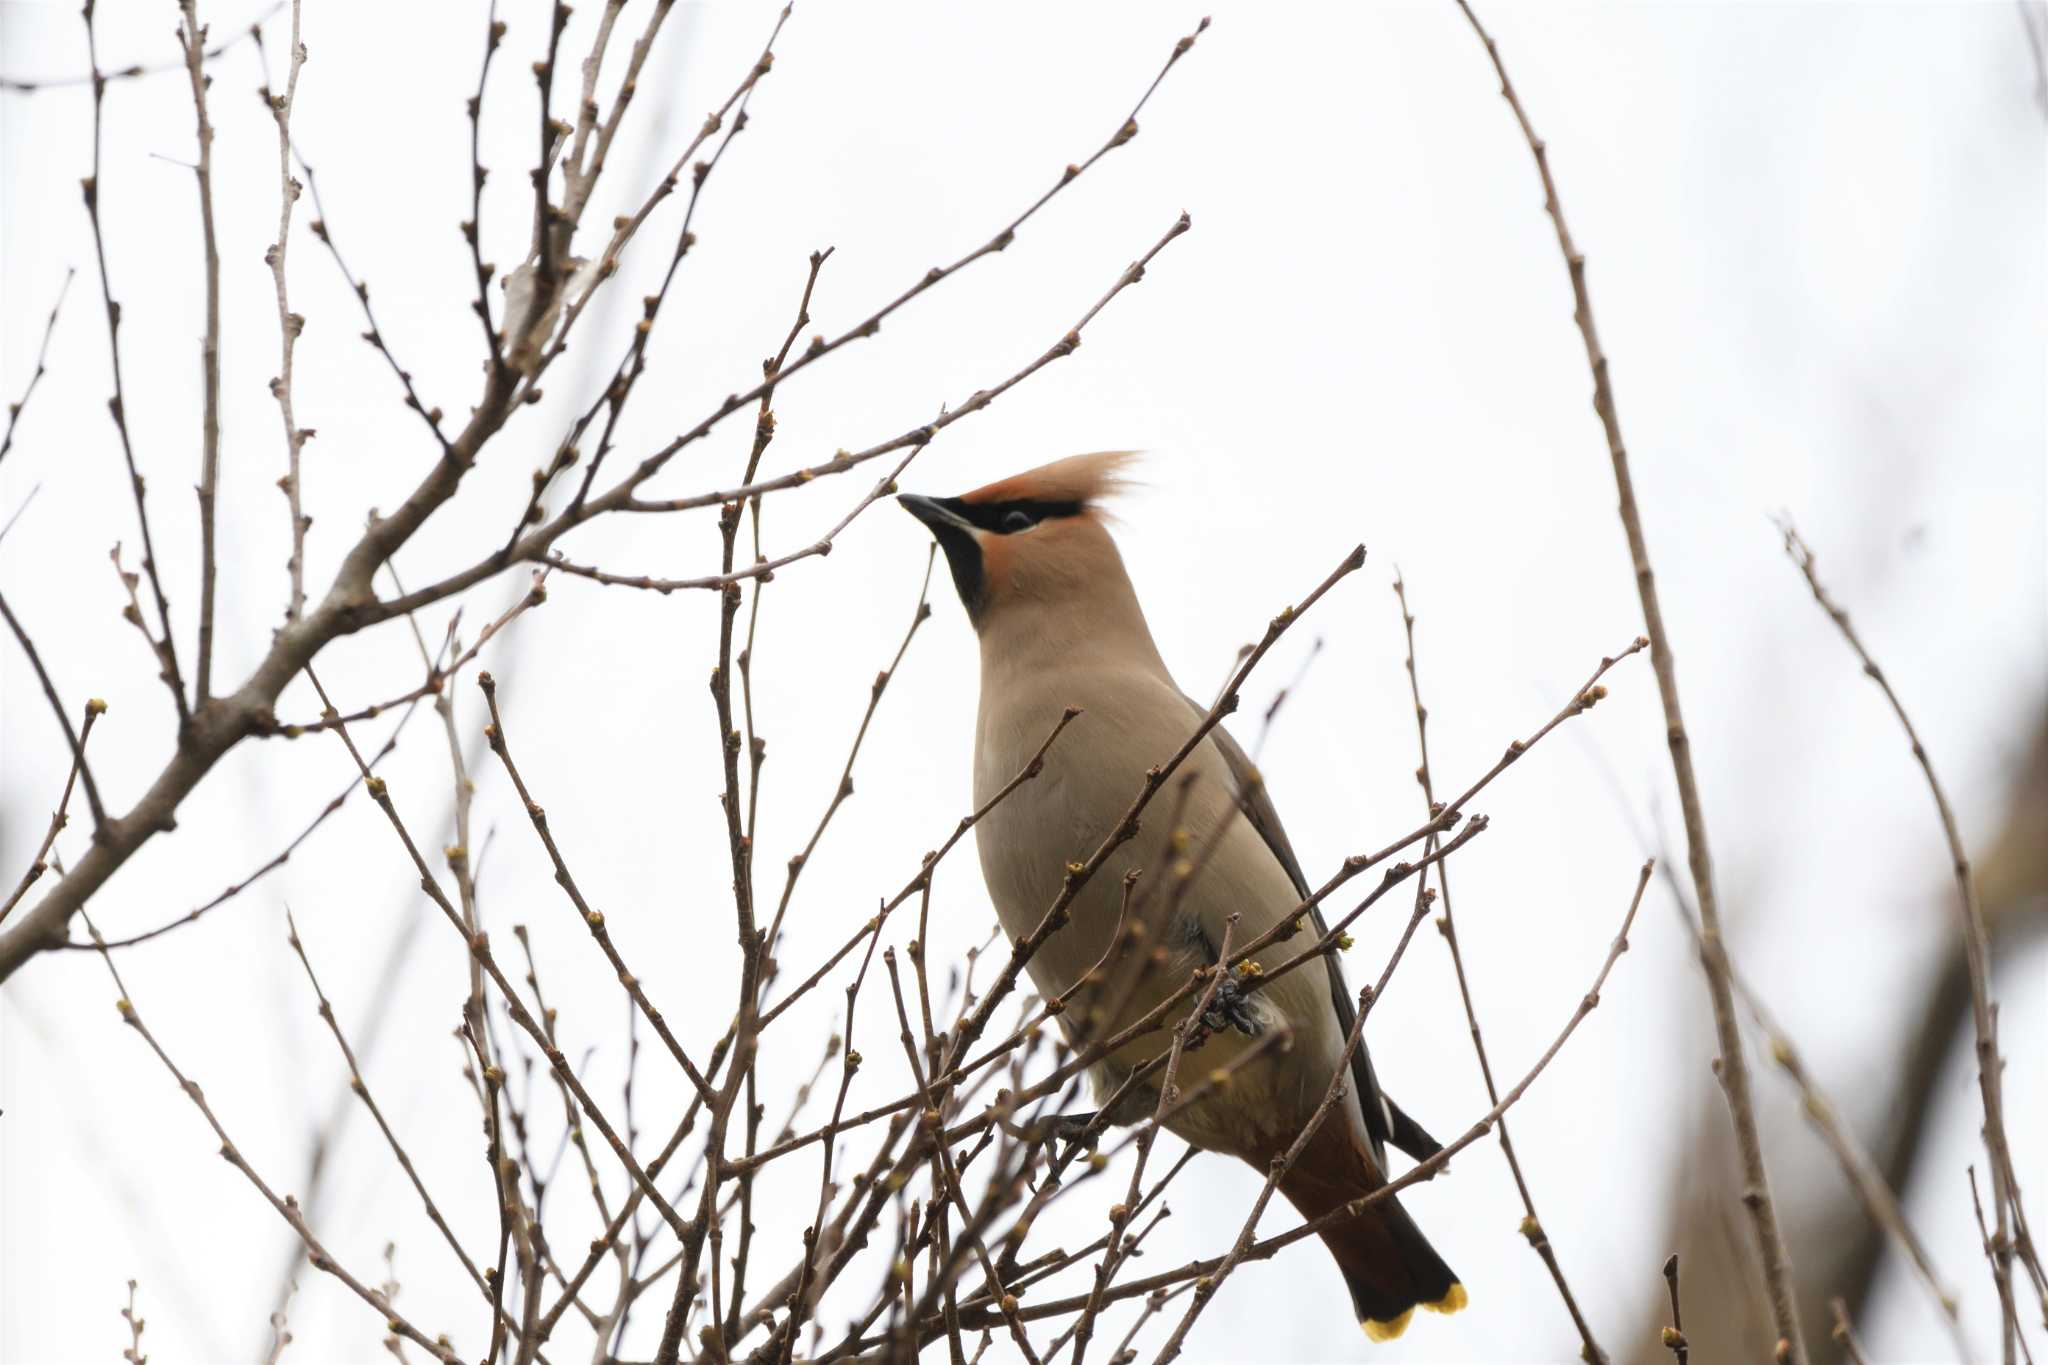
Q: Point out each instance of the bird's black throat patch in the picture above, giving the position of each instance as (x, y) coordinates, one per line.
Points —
(953, 522)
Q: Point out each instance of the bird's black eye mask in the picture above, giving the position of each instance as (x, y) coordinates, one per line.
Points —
(1008, 518)
(953, 522)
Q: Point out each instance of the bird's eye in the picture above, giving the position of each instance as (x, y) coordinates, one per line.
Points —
(1018, 520)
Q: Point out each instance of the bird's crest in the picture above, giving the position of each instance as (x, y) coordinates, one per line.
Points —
(1079, 479)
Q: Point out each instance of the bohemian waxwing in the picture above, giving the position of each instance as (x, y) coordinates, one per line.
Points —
(1060, 626)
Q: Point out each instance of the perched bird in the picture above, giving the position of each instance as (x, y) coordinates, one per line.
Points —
(1059, 626)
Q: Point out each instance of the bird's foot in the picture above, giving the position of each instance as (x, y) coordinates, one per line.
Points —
(1060, 1137)
(1229, 1008)
(1075, 1127)
(1054, 1129)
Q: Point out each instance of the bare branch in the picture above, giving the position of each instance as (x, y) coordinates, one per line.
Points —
(277, 860)
(1866, 1181)
(15, 409)
(494, 34)
(323, 230)
(592, 919)
(24, 85)
(350, 605)
(623, 496)
(1674, 1335)
(2009, 1216)
(165, 645)
(1078, 875)
(40, 864)
(480, 950)
(1027, 773)
(1734, 1067)
(133, 1355)
(72, 737)
(287, 1207)
(1532, 1228)
(1999, 1258)
(361, 1089)
(843, 789)
(1422, 1171)
(289, 324)
(1845, 1335)
(193, 36)
(1207, 1286)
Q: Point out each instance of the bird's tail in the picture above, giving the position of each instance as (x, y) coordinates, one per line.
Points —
(1388, 1265)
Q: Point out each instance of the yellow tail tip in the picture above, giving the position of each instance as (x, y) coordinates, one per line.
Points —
(1388, 1330)
(1377, 1330)
(1450, 1302)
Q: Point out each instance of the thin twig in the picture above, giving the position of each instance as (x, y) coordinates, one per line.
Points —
(537, 544)
(1353, 866)
(59, 817)
(1674, 1335)
(1338, 1088)
(2009, 1216)
(1030, 771)
(71, 736)
(1845, 1335)
(193, 36)
(1441, 820)
(480, 949)
(14, 409)
(8, 525)
(164, 645)
(494, 35)
(1078, 875)
(287, 1206)
(438, 675)
(592, 919)
(1421, 1172)
(348, 605)
(361, 1089)
(1866, 1181)
(1119, 1246)
(361, 289)
(1532, 1228)
(947, 1177)
(1282, 697)
(133, 1355)
(843, 789)
(275, 861)
(28, 85)
(764, 432)
(289, 324)
(615, 395)
(1776, 1262)
(1999, 1259)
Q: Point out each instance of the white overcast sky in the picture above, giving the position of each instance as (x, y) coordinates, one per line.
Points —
(1816, 243)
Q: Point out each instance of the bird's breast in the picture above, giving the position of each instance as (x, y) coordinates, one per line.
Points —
(1089, 779)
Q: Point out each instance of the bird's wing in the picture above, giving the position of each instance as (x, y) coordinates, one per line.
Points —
(1379, 1115)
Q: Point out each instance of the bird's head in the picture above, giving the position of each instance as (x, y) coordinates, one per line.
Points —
(1033, 538)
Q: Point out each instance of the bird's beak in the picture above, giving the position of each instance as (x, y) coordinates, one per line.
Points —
(961, 542)
(933, 512)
